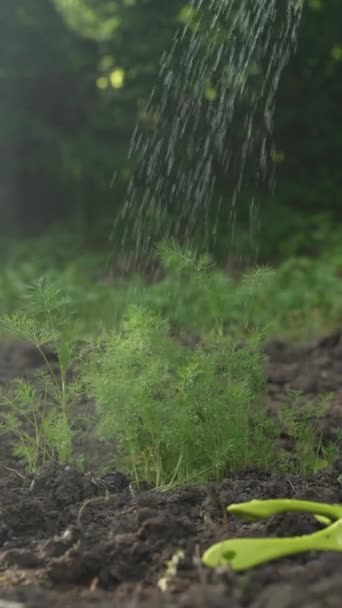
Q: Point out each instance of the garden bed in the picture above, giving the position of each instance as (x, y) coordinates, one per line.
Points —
(69, 539)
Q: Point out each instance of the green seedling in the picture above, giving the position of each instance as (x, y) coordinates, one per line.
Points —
(245, 553)
(262, 509)
(181, 415)
(37, 413)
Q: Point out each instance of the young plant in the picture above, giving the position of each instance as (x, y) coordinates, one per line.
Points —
(179, 415)
(37, 412)
(198, 297)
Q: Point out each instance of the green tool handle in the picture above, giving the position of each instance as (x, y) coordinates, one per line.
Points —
(245, 553)
(260, 509)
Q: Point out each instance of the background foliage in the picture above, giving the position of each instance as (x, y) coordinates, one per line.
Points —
(74, 77)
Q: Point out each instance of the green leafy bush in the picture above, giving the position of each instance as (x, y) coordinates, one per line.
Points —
(302, 297)
(198, 297)
(173, 413)
(180, 415)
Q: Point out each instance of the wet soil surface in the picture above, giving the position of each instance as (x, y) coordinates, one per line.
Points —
(69, 539)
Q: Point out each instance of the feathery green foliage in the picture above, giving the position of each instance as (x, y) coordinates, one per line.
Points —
(175, 366)
(179, 414)
(37, 413)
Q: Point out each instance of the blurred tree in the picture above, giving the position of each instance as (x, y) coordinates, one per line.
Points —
(47, 92)
(309, 120)
(75, 76)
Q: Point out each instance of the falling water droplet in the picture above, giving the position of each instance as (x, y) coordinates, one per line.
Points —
(238, 49)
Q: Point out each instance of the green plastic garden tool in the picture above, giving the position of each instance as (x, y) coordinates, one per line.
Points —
(262, 509)
(245, 553)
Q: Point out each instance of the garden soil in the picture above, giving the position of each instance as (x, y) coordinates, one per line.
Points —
(72, 540)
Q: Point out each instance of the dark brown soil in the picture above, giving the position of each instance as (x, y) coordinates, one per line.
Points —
(314, 370)
(70, 540)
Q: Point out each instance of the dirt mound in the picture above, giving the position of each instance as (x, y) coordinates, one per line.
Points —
(314, 370)
(73, 540)
(65, 535)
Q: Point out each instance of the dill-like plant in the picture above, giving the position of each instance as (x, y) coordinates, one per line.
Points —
(37, 411)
